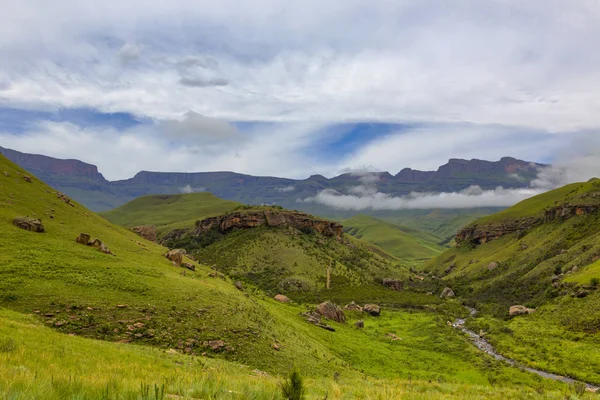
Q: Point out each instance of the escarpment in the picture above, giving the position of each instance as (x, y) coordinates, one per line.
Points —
(482, 233)
(253, 219)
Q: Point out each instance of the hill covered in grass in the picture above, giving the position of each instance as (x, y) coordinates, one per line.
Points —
(542, 253)
(76, 322)
(404, 243)
(168, 212)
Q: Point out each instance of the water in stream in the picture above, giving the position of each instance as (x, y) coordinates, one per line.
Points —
(486, 347)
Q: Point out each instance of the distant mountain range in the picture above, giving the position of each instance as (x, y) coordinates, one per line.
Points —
(86, 184)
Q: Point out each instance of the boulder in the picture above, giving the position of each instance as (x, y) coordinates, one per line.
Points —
(359, 324)
(446, 293)
(492, 266)
(29, 224)
(281, 298)
(176, 255)
(27, 178)
(83, 238)
(148, 232)
(6, 174)
(189, 266)
(353, 307)
(215, 344)
(104, 248)
(239, 285)
(314, 318)
(331, 311)
(517, 310)
(372, 309)
(395, 284)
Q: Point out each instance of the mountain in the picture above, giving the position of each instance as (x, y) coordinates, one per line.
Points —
(544, 254)
(124, 322)
(82, 182)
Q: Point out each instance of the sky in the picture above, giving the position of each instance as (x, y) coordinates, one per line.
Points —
(295, 88)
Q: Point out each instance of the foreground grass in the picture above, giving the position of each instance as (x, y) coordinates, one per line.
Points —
(38, 363)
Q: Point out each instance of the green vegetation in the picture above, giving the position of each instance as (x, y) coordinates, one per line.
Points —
(166, 331)
(293, 387)
(409, 245)
(168, 212)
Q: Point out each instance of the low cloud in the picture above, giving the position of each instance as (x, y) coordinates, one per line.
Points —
(189, 189)
(471, 197)
(285, 189)
(197, 128)
(202, 82)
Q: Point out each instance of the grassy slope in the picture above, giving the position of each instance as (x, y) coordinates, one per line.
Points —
(404, 243)
(36, 362)
(563, 334)
(76, 290)
(168, 212)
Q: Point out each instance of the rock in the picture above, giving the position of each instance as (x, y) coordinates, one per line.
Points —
(450, 268)
(574, 269)
(27, 178)
(96, 243)
(446, 293)
(517, 310)
(64, 198)
(217, 275)
(393, 337)
(492, 266)
(29, 224)
(189, 266)
(6, 174)
(121, 306)
(353, 307)
(359, 324)
(104, 249)
(276, 346)
(281, 298)
(215, 344)
(331, 311)
(148, 232)
(394, 284)
(176, 255)
(372, 309)
(239, 285)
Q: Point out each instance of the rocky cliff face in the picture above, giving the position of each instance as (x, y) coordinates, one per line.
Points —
(481, 234)
(275, 219)
(49, 165)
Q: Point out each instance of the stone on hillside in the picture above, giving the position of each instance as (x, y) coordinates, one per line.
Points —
(29, 224)
(215, 344)
(148, 232)
(6, 174)
(492, 266)
(27, 178)
(83, 238)
(517, 310)
(372, 309)
(281, 298)
(359, 324)
(447, 292)
(331, 311)
(239, 285)
(352, 306)
(189, 266)
(450, 268)
(104, 248)
(395, 284)
(176, 255)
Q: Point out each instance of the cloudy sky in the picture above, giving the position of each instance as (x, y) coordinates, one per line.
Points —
(292, 88)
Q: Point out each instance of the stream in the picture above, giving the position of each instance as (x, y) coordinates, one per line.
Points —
(483, 345)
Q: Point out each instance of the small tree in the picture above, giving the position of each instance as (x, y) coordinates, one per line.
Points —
(293, 387)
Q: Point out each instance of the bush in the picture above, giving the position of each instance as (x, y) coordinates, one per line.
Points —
(594, 282)
(293, 387)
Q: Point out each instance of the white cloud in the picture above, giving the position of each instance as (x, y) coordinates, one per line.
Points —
(285, 189)
(533, 64)
(471, 197)
(189, 189)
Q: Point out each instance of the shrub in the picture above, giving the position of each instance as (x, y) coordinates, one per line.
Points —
(293, 387)
(594, 282)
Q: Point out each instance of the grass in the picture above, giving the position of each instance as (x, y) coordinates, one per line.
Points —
(59, 297)
(409, 245)
(168, 212)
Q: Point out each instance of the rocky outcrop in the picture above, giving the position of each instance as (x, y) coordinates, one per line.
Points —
(372, 309)
(331, 311)
(29, 224)
(85, 239)
(148, 232)
(352, 306)
(395, 284)
(176, 255)
(281, 298)
(274, 219)
(569, 211)
(446, 293)
(481, 234)
(517, 310)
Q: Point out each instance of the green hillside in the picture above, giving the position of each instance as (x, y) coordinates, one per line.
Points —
(168, 212)
(404, 243)
(160, 325)
(542, 253)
